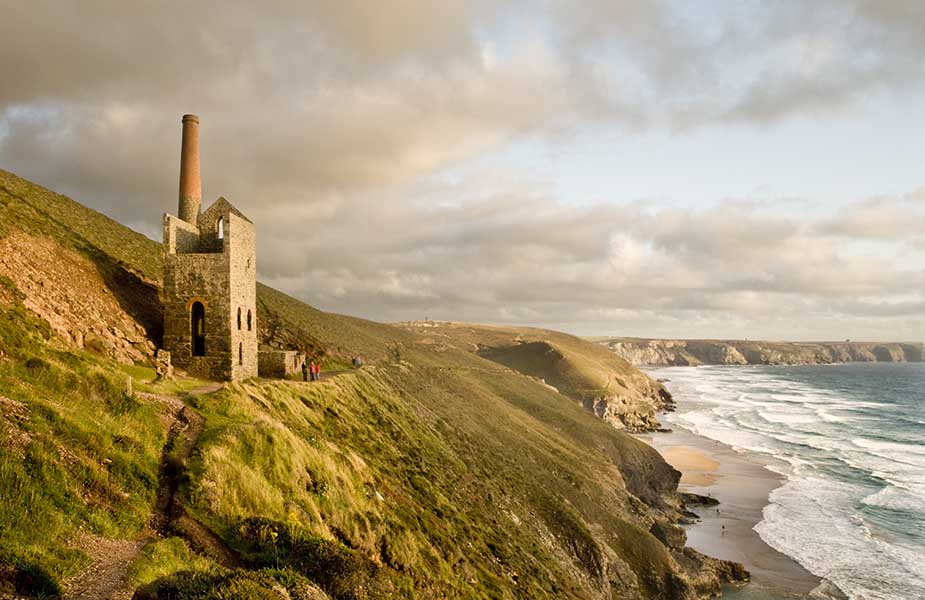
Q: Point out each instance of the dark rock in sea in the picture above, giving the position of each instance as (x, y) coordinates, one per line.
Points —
(697, 500)
(689, 517)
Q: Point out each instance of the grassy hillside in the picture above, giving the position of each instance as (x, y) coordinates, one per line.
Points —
(599, 380)
(431, 472)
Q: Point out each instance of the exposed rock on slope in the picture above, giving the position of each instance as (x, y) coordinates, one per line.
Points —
(69, 292)
(605, 385)
(646, 352)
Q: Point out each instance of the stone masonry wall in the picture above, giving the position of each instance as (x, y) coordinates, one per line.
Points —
(240, 247)
(197, 277)
(180, 236)
(280, 364)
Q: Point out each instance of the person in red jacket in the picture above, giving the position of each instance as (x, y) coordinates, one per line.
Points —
(311, 371)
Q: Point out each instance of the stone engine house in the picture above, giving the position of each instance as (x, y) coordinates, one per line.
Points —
(210, 285)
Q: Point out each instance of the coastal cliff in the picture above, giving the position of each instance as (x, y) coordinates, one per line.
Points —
(658, 353)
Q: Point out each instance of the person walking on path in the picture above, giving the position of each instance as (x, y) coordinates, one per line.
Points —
(304, 371)
(311, 371)
(318, 371)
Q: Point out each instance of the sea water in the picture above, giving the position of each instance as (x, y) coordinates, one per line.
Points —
(850, 442)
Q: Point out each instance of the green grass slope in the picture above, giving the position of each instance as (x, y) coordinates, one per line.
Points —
(76, 452)
(588, 373)
(432, 472)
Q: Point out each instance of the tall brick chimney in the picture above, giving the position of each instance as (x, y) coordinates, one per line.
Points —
(190, 180)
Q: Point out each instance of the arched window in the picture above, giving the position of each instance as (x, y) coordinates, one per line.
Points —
(198, 329)
(240, 353)
(221, 228)
(249, 320)
(239, 318)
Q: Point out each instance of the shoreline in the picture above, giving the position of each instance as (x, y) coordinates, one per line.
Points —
(742, 486)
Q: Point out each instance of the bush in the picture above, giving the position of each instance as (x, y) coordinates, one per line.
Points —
(343, 573)
(18, 576)
(260, 585)
(36, 364)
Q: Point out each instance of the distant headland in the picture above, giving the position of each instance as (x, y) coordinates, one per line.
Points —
(663, 352)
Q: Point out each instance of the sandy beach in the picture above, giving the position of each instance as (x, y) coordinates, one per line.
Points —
(742, 487)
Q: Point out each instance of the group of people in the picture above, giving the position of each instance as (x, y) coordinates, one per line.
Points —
(311, 371)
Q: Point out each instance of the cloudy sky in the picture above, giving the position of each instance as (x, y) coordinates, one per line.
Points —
(674, 169)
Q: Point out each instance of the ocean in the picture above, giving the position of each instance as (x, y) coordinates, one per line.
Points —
(849, 441)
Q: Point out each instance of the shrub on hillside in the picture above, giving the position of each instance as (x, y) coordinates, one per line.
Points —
(19, 576)
(342, 572)
(254, 585)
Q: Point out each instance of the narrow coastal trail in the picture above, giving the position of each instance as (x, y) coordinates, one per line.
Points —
(170, 517)
(106, 576)
(329, 374)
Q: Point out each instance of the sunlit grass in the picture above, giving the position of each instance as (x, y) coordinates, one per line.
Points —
(166, 557)
(81, 453)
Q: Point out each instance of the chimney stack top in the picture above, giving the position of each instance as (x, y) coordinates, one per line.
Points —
(190, 179)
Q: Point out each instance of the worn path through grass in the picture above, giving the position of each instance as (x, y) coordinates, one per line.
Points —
(105, 578)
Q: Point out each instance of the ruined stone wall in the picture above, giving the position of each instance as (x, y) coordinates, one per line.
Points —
(280, 364)
(240, 248)
(208, 228)
(198, 277)
(180, 236)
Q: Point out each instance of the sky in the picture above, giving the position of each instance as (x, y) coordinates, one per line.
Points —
(672, 169)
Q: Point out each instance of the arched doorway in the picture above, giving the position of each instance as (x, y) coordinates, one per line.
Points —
(198, 329)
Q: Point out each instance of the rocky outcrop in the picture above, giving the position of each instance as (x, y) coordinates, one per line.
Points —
(615, 392)
(89, 304)
(647, 352)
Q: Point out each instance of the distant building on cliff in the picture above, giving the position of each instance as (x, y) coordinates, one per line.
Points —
(210, 284)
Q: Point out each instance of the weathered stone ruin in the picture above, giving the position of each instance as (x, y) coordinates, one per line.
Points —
(162, 365)
(210, 286)
(280, 364)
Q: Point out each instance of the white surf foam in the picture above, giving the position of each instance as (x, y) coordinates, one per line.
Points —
(817, 516)
(813, 520)
(896, 498)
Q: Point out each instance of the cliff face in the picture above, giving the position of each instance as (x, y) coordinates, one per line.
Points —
(645, 352)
